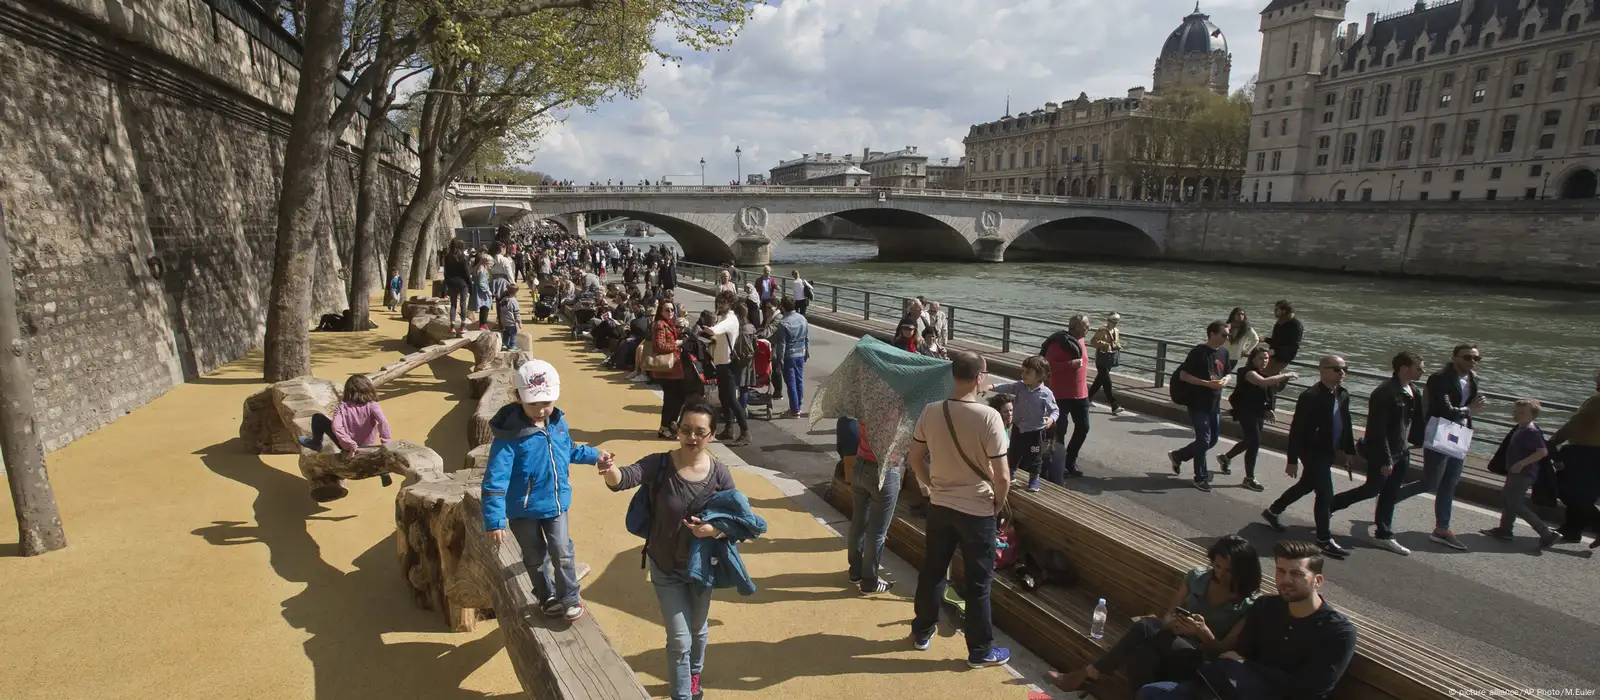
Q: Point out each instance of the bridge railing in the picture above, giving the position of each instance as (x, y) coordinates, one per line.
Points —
(1144, 358)
(479, 189)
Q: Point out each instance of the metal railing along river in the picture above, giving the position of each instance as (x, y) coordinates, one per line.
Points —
(1144, 358)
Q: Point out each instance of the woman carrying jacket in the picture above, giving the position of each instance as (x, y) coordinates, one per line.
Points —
(680, 484)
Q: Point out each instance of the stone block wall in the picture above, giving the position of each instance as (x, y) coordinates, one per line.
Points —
(1544, 242)
(100, 173)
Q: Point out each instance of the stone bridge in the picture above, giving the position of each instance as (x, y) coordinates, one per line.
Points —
(742, 223)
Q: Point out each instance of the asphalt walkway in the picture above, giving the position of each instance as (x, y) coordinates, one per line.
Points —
(198, 570)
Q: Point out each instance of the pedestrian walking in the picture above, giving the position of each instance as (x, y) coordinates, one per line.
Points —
(458, 284)
(801, 290)
(1249, 405)
(482, 292)
(1452, 395)
(958, 452)
(1197, 386)
(1069, 373)
(1524, 457)
(1577, 460)
(1241, 337)
(875, 490)
(793, 348)
(1394, 426)
(723, 336)
(508, 313)
(1107, 344)
(1034, 412)
(1320, 436)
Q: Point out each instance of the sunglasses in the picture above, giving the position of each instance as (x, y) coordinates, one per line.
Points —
(1472, 358)
(1337, 368)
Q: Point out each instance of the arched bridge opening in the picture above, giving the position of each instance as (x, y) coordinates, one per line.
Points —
(492, 215)
(899, 233)
(699, 245)
(1083, 236)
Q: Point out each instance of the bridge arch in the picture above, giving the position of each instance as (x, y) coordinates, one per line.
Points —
(699, 244)
(1081, 235)
(493, 214)
(901, 234)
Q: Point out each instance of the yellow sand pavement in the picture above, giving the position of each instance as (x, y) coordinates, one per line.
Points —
(199, 570)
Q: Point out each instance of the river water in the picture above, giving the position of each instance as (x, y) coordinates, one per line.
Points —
(1535, 342)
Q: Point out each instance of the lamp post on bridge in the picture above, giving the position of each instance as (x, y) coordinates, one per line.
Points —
(702, 172)
(738, 164)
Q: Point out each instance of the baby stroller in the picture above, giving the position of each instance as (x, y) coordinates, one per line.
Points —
(758, 384)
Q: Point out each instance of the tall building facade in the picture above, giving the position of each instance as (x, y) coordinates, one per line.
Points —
(1082, 147)
(1460, 99)
(945, 175)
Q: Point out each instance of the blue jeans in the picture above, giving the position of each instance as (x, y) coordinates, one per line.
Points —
(547, 550)
(686, 614)
(1245, 682)
(947, 530)
(1205, 422)
(1440, 475)
(508, 338)
(872, 510)
(794, 377)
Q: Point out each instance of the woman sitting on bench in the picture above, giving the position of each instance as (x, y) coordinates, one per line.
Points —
(1202, 621)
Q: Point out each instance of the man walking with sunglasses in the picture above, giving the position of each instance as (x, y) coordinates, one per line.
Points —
(1320, 436)
(1452, 394)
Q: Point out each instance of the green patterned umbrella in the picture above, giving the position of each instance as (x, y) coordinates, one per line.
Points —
(886, 389)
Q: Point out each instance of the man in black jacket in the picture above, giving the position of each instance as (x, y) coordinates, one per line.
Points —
(1452, 395)
(1394, 423)
(1320, 435)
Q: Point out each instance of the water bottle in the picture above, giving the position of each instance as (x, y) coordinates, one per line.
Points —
(1097, 629)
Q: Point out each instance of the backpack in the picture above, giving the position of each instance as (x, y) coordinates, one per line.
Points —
(744, 349)
(1177, 389)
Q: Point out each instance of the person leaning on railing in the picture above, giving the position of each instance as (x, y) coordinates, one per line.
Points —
(1576, 447)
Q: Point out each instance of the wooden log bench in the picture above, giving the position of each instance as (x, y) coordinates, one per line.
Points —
(1136, 568)
(328, 468)
(429, 306)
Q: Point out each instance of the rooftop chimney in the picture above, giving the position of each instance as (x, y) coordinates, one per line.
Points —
(1371, 17)
(1350, 33)
(1421, 5)
(865, 151)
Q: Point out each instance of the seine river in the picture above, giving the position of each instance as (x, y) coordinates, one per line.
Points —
(1536, 342)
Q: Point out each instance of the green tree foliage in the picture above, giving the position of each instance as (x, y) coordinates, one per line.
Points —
(1190, 132)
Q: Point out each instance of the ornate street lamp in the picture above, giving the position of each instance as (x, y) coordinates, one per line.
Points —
(738, 160)
(702, 172)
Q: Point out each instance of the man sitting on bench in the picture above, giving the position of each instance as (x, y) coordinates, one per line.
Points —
(1294, 645)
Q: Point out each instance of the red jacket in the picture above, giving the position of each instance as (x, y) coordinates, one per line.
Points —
(1066, 381)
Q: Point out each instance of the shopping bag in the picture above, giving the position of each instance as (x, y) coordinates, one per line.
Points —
(1448, 437)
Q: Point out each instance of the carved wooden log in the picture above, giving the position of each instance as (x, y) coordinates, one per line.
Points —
(499, 362)
(554, 660)
(425, 330)
(327, 470)
(477, 458)
(430, 534)
(424, 306)
(405, 365)
(276, 417)
(500, 391)
(485, 349)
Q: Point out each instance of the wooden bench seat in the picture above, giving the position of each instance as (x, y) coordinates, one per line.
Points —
(1136, 568)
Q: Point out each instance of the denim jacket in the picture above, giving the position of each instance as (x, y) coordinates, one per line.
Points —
(715, 562)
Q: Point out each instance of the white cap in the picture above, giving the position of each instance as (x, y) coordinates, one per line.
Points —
(537, 381)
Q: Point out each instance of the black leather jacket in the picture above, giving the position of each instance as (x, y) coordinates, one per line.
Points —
(1444, 395)
(1394, 418)
(1311, 431)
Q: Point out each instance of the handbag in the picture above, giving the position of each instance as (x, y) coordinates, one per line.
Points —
(950, 425)
(657, 362)
(1448, 437)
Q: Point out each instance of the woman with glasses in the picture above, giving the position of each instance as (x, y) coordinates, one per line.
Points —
(665, 340)
(680, 484)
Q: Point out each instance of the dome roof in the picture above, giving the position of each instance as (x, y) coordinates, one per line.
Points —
(1196, 35)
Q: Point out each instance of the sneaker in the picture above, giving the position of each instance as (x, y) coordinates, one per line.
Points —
(883, 586)
(1272, 520)
(1072, 473)
(1033, 483)
(921, 642)
(1390, 544)
(1446, 538)
(1253, 485)
(308, 444)
(725, 436)
(1332, 549)
(998, 656)
(553, 608)
(694, 687)
(1116, 410)
(741, 441)
(1548, 540)
(1498, 534)
(572, 612)
(1222, 464)
(1571, 538)
(1203, 485)
(1177, 464)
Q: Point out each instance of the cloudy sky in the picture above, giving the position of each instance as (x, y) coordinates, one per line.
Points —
(834, 76)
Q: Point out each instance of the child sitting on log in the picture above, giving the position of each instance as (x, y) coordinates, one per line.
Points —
(529, 458)
(357, 421)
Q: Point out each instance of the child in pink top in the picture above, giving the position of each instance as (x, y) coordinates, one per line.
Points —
(357, 422)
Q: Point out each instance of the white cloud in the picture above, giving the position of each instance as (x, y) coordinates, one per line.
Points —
(810, 76)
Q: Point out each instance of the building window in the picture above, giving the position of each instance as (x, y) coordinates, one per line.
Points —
(1478, 95)
(1266, 128)
(1547, 141)
(1552, 117)
(1449, 79)
(1375, 147)
(1261, 161)
(1403, 148)
(1366, 194)
(1530, 193)
(1516, 90)
(1388, 61)
(1269, 191)
(1564, 60)
(1422, 196)
(1349, 152)
(1038, 157)
(1494, 173)
(1294, 54)
(1482, 76)
(1272, 92)
(1277, 160)
(1361, 66)
(1559, 84)
(1255, 192)
(1413, 94)
(1444, 100)
(1491, 194)
(1380, 101)
(1436, 141)
(1591, 137)
(1508, 133)
(1469, 138)
(1025, 156)
(1460, 175)
(1330, 99)
(1094, 152)
(1594, 113)
(1063, 155)
(1355, 103)
(1455, 195)
(1521, 68)
(1283, 128)
(1572, 23)
(1427, 177)
(1323, 142)
(1422, 52)
(1488, 40)
(1327, 117)
(1338, 196)
(1455, 46)
(1535, 171)
(1013, 160)
(1528, 30)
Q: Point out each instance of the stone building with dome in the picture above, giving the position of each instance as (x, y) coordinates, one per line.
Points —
(1445, 100)
(1075, 148)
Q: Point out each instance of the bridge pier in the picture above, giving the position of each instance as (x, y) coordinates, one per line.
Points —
(989, 249)
(576, 224)
(752, 251)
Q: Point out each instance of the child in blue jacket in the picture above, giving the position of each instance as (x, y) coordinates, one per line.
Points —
(528, 460)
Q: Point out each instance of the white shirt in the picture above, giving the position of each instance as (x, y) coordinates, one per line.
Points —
(725, 334)
(501, 266)
(797, 288)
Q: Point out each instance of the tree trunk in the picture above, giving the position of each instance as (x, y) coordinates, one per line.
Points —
(39, 527)
(364, 276)
(434, 109)
(422, 257)
(288, 343)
